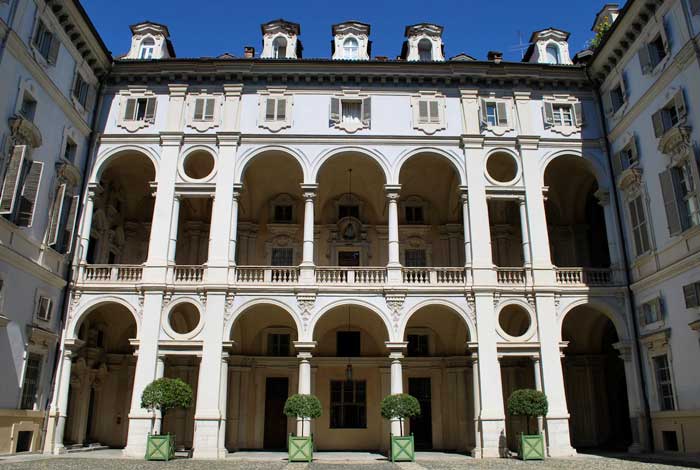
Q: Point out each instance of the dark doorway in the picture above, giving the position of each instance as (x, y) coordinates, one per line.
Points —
(422, 426)
(276, 390)
(90, 417)
(24, 441)
(348, 258)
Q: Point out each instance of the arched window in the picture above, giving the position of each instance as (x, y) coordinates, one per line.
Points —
(148, 45)
(279, 48)
(351, 48)
(553, 54)
(425, 50)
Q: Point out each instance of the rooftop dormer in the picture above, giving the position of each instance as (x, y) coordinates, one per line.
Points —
(351, 41)
(281, 40)
(549, 46)
(150, 41)
(423, 43)
(608, 14)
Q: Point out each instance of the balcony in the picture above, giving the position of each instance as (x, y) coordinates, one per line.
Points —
(342, 276)
(106, 273)
(511, 276)
(584, 277)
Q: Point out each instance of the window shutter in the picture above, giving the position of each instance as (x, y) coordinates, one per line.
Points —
(422, 111)
(56, 210)
(548, 113)
(501, 109)
(695, 7)
(150, 109)
(29, 195)
(198, 109)
(578, 114)
(270, 109)
(679, 102)
(618, 165)
(209, 109)
(634, 148)
(484, 114)
(91, 97)
(53, 51)
(434, 106)
(667, 192)
(661, 307)
(281, 109)
(37, 33)
(668, 29)
(642, 317)
(9, 186)
(607, 102)
(70, 224)
(129, 109)
(645, 59)
(658, 120)
(626, 84)
(366, 111)
(690, 295)
(335, 109)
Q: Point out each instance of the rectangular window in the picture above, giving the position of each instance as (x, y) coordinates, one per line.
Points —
(415, 258)
(70, 151)
(491, 116)
(670, 115)
(657, 50)
(32, 375)
(278, 344)
(494, 113)
(563, 115)
(418, 345)
(346, 210)
(414, 214)
(428, 112)
(347, 343)
(46, 43)
(351, 112)
(140, 109)
(664, 387)
(283, 214)
(617, 98)
(81, 90)
(204, 109)
(687, 194)
(282, 256)
(43, 310)
(639, 226)
(28, 109)
(691, 293)
(348, 408)
(348, 258)
(651, 312)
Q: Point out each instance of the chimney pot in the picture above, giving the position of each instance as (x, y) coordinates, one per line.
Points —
(495, 56)
(249, 52)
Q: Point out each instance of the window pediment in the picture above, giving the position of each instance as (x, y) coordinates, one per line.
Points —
(429, 112)
(630, 179)
(25, 131)
(676, 142)
(131, 117)
(275, 109)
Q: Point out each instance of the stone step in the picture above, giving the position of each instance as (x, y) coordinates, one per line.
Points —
(85, 447)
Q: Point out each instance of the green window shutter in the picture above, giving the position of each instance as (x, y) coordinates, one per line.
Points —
(335, 109)
(548, 113)
(657, 120)
(198, 109)
(645, 59)
(53, 51)
(502, 111)
(129, 109)
(12, 174)
(366, 111)
(578, 114)
(30, 191)
(70, 223)
(434, 106)
(56, 210)
(670, 204)
(209, 109)
(281, 109)
(422, 111)
(150, 109)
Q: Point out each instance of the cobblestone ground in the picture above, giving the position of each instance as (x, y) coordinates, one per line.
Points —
(580, 463)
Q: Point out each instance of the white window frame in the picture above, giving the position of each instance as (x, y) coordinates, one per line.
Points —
(503, 123)
(203, 124)
(356, 55)
(671, 381)
(39, 379)
(434, 123)
(147, 51)
(54, 47)
(577, 114)
(134, 125)
(637, 201)
(338, 122)
(275, 125)
(656, 305)
(44, 304)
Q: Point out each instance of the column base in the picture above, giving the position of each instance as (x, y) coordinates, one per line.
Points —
(139, 429)
(559, 441)
(493, 438)
(307, 274)
(206, 439)
(394, 274)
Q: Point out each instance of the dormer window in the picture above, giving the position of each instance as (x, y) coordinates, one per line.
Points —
(553, 56)
(148, 46)
(425, 50)
(351, 48)
(279, 48)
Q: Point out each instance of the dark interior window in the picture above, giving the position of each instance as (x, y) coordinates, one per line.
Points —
(418, 345)
(348, 211)
(348, 343)
(278, 344)
(348, 404)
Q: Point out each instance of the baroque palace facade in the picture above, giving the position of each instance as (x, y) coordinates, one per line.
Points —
(449, 228)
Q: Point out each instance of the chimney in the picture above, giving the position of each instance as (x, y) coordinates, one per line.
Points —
(381, 58)
(495, 56)
(249, 52)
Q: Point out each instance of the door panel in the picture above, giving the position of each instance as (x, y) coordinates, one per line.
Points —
(422, 426)
(276, 391)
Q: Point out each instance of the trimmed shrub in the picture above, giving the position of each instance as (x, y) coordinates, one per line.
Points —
(529, 403)
(302, 406)
(400, 406)
(165, 394)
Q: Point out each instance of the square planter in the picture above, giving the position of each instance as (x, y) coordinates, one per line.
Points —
(532, 446)
(300, 448)
(402, 449)
(160, 447)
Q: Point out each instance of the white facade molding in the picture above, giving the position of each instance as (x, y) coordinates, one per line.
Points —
(282, 109)
(424, 43)
(133, 125)
(280, 40)
(351, 41)
(424, 106)
(209, 116)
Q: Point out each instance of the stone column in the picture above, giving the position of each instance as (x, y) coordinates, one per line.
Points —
(233, 230)
(174, 222)
(160, 372)
(635, 400)
(208, 415)
(396, 350)
(478, 443)
(538, 386)
(394, 264)
(59, 406)
(525, 233)
(557, 419)
(223, 405)
(307, 259)
(304, 349)
(87, 222)
(611, 231)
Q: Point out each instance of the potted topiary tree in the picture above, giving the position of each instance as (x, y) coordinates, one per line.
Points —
(401, 406)
(530, 404)
(164, 394)
(304, 407)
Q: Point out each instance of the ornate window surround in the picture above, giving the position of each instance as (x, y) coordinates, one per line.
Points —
(560, 99)
(657, 344)
(429, 127)
(275, 92)
(498, 130)
(414, 201)
(203, 125)
(283, 236)
(282, 199)
(135, 92)
(350, 95)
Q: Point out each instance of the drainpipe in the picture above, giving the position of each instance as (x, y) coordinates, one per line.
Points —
(625, 259)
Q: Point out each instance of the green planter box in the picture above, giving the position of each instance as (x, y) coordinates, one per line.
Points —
(402, 449)
(532, 446)
(160, 447)
(300, 448)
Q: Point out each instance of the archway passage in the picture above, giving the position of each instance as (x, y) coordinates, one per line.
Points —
(262, 373)
(351, 212)
(271, 211)
(594, 376)
(431, 230)
(122, 211)
(102, 378)
(349, 354)
(437, 371)
(575, 219)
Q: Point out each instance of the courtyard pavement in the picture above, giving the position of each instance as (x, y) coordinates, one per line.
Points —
(111, 460)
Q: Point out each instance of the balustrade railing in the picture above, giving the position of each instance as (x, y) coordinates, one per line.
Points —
(188, 274)
(267, 274)
(511, 276)
(112, 273)
(350, 276)
(433, 276)
(584, 276)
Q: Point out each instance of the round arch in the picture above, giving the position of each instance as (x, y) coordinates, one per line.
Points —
(88, 308)
(408, 154)
(247, 158)
(616, 319)
(104, 159)
(379, 159)
(241, 311)
(599, 172)
(456, 309)
(309, 333)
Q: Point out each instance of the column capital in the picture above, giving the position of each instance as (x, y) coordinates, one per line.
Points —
(171, 139)
(396, 346)
(528, 142)
(468, 93)
(603, 196)
(392, 189)
(177, 90)
(228, 139)
(464, 194)
(237, 188)
(522, 95)
(304, 347)
(232, 90)
(93, 190)
(309, 191)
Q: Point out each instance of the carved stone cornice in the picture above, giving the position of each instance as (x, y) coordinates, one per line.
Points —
(676, 142)
(24, 132)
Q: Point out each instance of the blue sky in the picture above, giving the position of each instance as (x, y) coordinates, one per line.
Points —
(212, 27)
